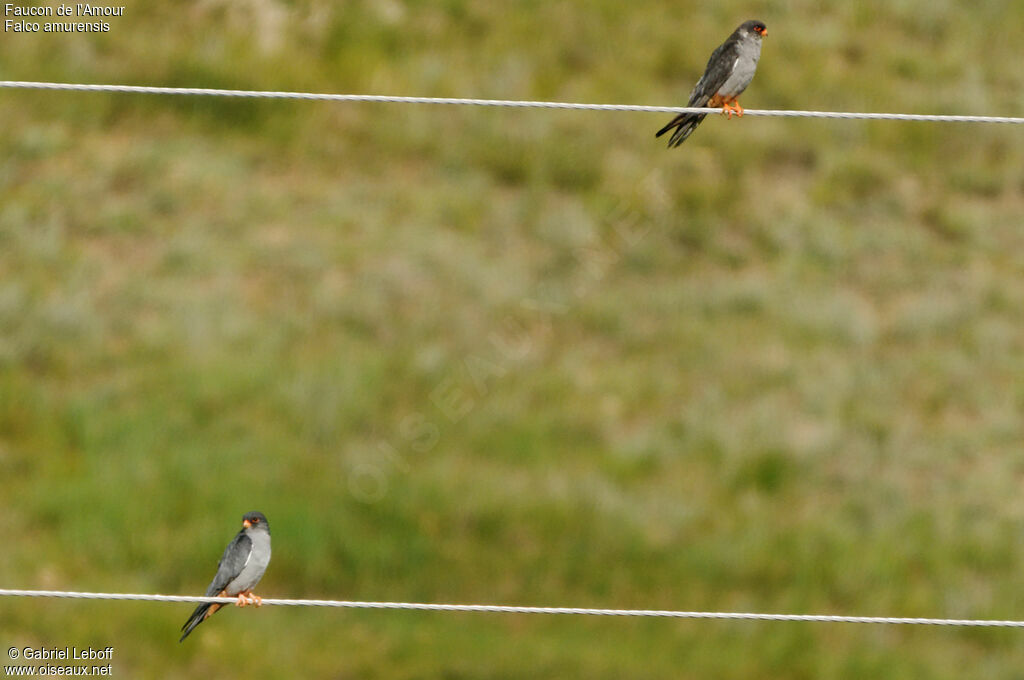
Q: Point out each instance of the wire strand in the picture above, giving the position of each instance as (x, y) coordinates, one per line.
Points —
(388, 99)
(508, 609)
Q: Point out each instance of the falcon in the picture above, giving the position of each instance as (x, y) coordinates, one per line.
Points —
(240, 568)
(730, 69)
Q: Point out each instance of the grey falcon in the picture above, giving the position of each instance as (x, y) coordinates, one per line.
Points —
(240, 568)
(728, 73)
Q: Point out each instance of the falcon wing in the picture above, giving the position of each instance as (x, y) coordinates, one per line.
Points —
(231, 563)
(719, 68)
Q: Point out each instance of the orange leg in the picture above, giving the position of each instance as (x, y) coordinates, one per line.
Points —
(731, 106)
(246, 597)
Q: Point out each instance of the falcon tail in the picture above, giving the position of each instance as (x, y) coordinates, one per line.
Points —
(685, 124)
(201, 613)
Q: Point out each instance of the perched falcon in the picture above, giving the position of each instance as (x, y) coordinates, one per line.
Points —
(241, 567)
(730, 69)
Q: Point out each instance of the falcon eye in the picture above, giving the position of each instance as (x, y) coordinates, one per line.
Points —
(255, 520)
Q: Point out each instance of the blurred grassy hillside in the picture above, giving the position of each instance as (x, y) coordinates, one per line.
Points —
(517, 356)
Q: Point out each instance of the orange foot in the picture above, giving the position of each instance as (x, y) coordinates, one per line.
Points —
(732, 106)
(246, 598)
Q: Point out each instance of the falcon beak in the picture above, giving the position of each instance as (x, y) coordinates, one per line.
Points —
(246, 523)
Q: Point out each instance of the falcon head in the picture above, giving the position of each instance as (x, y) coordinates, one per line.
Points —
(754, 28)
(254, 519)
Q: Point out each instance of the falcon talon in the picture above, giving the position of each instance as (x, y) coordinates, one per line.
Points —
(728, 73)
(240, 568)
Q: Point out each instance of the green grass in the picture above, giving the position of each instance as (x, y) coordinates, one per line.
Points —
(523, 357)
